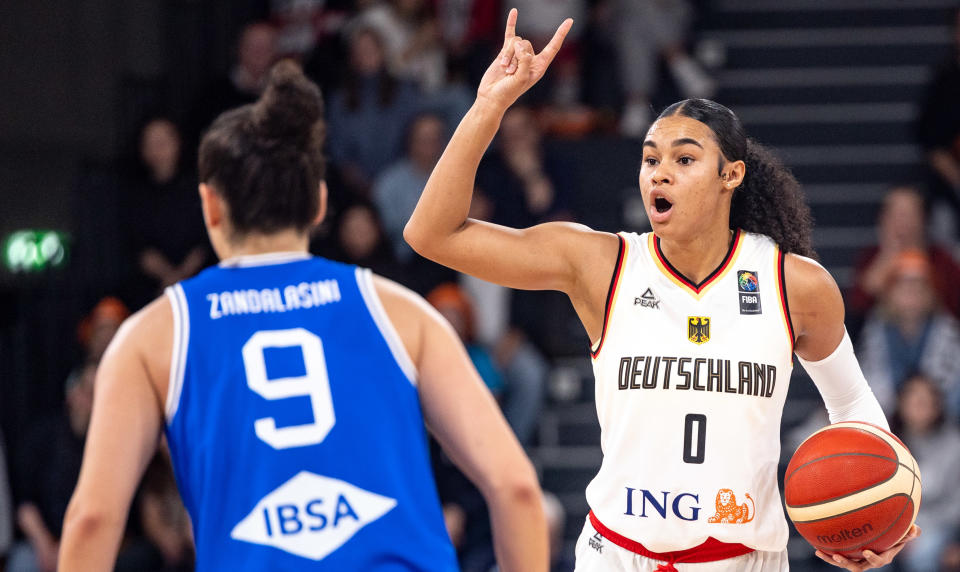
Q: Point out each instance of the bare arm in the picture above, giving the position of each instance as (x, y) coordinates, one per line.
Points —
(816, 310)
(123, 435)
(465, 419)
(553, 256)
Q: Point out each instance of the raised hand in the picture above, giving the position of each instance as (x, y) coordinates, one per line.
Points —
(870, 559)
(517, 67)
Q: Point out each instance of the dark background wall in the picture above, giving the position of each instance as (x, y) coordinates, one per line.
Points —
(76, 77)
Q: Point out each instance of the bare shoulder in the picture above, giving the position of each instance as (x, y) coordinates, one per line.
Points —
(410, 314)
(144, 343)
(591, 253)
(805, 277)
(816, 307)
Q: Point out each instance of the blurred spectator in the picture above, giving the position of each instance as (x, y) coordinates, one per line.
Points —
(99, 326)
(908, 332)
(356, 236)
(951, 556)
(411, 36)
(455, 307)
(939, 129)
(312, 31)
(518, 184)
(602, 87)
(299, 25)
(6, 506)
(560, 559)
(163, 221)
(465, 514)
(46, 481)
(537, 22)
(901, 226)
(368, 114)
(512, 368)
(256, 52)
(649, 30)
(163, 517)
(921, 423)
(397, 190)
(472, 31)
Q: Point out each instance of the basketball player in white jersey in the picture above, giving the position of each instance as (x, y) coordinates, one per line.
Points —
(693, 328)
(264, 192)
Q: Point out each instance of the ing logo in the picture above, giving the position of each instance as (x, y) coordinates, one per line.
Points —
(728, 511)
(698, 329)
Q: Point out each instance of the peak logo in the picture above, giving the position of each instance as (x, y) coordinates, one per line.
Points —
(647, 300)
(311, 515)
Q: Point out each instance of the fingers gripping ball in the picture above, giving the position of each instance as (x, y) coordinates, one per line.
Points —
(850, 487)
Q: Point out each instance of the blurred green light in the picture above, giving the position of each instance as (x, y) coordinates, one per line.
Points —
(34, 250)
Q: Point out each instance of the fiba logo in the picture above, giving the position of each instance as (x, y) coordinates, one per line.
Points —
(748, 291)
(747, 281)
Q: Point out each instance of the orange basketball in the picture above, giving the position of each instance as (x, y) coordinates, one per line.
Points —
(852, 486)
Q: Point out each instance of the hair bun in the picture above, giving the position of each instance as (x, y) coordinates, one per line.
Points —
(290, 105)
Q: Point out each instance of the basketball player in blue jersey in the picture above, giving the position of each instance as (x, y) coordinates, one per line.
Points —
(293, 390)
(692, 325)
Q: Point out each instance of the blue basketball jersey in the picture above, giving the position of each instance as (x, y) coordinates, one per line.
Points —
(294, 422)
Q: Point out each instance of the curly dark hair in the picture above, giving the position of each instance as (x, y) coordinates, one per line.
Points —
(769, 200)
(265, 159)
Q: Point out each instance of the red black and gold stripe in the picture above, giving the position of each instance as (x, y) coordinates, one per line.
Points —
(611, 294)
(784, 304)
(696, 290)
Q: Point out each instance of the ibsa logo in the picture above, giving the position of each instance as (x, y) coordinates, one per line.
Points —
(311, 515)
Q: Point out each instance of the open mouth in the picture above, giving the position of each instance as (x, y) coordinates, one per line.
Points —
(662, 205)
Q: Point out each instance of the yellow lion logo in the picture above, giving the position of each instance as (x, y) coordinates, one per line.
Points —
(728, 511)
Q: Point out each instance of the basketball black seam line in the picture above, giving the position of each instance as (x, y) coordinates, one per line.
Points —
(886, 530)
(788, 477)
(911, 469)
(897, 457)
(849, 494)
(916, 477)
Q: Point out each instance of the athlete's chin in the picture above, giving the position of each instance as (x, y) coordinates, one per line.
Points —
(663, 227)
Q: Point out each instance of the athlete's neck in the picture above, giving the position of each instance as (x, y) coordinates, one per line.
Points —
(251, 244)
(697, 257)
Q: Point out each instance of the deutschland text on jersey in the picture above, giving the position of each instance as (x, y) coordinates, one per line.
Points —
(691, 381)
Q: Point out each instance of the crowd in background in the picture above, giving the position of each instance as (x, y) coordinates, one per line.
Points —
(397, 76)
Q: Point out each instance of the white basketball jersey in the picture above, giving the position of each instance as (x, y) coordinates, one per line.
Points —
(690, 385)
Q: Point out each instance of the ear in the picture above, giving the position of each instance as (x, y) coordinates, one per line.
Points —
(322, 210)
(732, 174)
(212, 204)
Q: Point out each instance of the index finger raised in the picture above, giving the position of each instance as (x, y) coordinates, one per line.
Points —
(511, 29)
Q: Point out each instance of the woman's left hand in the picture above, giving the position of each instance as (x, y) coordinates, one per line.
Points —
(871, 559)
